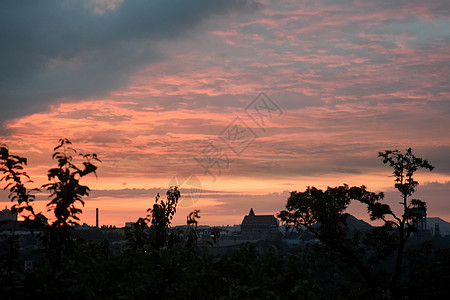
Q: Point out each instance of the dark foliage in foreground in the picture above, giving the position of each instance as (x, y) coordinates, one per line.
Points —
(91, 271)
(323, 214)
(159, 263)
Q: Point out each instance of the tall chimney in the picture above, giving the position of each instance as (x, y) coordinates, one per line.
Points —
(96, 217)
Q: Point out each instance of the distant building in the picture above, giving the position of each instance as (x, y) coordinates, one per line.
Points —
(129, 224)
(436, 229)
(259, 227)
(422, 229)
(7, 215)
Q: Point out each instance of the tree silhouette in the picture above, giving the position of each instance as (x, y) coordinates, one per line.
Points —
(12, 166)
(65, 187)
(160, 217)
(323, 214)
(192, 218)
(404, 165)
(65, 191)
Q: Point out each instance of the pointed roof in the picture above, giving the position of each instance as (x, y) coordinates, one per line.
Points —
(253, 220)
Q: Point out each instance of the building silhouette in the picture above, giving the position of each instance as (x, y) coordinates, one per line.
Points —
(259, 227)
(421, 225)
(7, 215)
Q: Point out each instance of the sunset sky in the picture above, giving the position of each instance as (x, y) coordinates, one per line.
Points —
(238, 102)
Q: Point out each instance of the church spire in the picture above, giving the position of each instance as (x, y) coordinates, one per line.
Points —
(251, 213)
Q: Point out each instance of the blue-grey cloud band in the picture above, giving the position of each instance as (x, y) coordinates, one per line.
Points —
(62, 49)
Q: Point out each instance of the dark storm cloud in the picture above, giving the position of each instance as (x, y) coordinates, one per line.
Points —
(63, 49)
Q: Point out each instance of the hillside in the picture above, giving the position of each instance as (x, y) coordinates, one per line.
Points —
(354, 223)
(444, 226)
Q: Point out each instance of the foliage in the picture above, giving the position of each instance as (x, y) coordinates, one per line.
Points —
(65, 187)
(12, 166)
(192, 218)
(405, 165)
(323, 214)
(153, 232)
(65, 191)
(160, 217)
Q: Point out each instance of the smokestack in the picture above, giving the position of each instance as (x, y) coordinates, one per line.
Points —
(96, 217)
